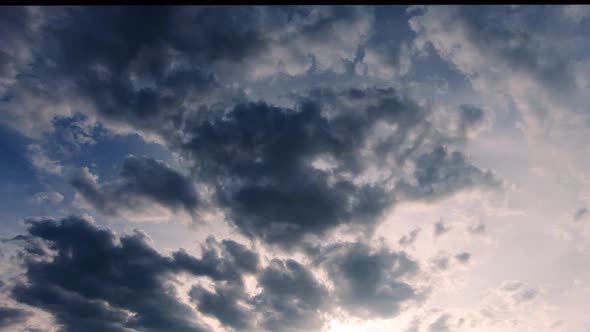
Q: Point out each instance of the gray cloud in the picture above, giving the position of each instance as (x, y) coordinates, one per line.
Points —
(580, 213)
(463, 257)
(368, 282)
(145, 73)
(95, 281)
(92, 282)
(440, 173)
(477, 229)
(48, 196)
(226, 261)
(441, 262)
(470, 119)
(144, 70)
(223, 304)
(11, 317)
(292, 298)
(518, 291)
(139, 178)
(409, 238)
(440, 228)
(441, 324)
(287, 173)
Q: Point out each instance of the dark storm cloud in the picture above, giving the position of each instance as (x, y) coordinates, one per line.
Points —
(89, 279)
(151, 65)
(139, 178)
(286, 173)
(224, 305)
(11, 317)
(166, 72)
(227, 261)
(292, 298)
(440, 173)
(95, 281)
(370, 283)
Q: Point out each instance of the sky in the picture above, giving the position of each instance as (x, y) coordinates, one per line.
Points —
(313, 168)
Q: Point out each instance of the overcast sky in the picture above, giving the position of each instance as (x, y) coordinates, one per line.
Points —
(293, 169)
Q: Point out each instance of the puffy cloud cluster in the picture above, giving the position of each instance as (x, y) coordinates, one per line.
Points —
(143, 181)
(89, 278)
(284, 174)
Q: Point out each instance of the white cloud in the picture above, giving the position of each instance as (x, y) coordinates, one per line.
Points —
(49, 196)
(39, 159)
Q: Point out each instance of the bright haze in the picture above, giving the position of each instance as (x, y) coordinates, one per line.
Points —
(314, 168)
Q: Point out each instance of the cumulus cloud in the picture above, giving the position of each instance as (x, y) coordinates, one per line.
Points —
(89, 278)
(94, 282)
(12, 317)
(48, 196)
(292, 298)
(369, 282)
(42, 162)
(144, 69)
(439, 173)
(337, 158)
(285, 174)
(140, 178)
(533, 71)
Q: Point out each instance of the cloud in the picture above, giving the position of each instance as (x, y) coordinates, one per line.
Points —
(463, 257)
(409, 239)
(518, 291)
(441, 324)
(330, 158)
(49, 196)
(90, 279)
(440, 228)
(292, 298)
(370, 283)
(143, 71)
(471, 119)
(140, 178)
(534, 71)
(9, 317)
(477, 229)
(41, 161)
(336, 159)
(94, 282)
(224, 305)
(226, 260)
(441, 262)
(439, 173)
(580, 213)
